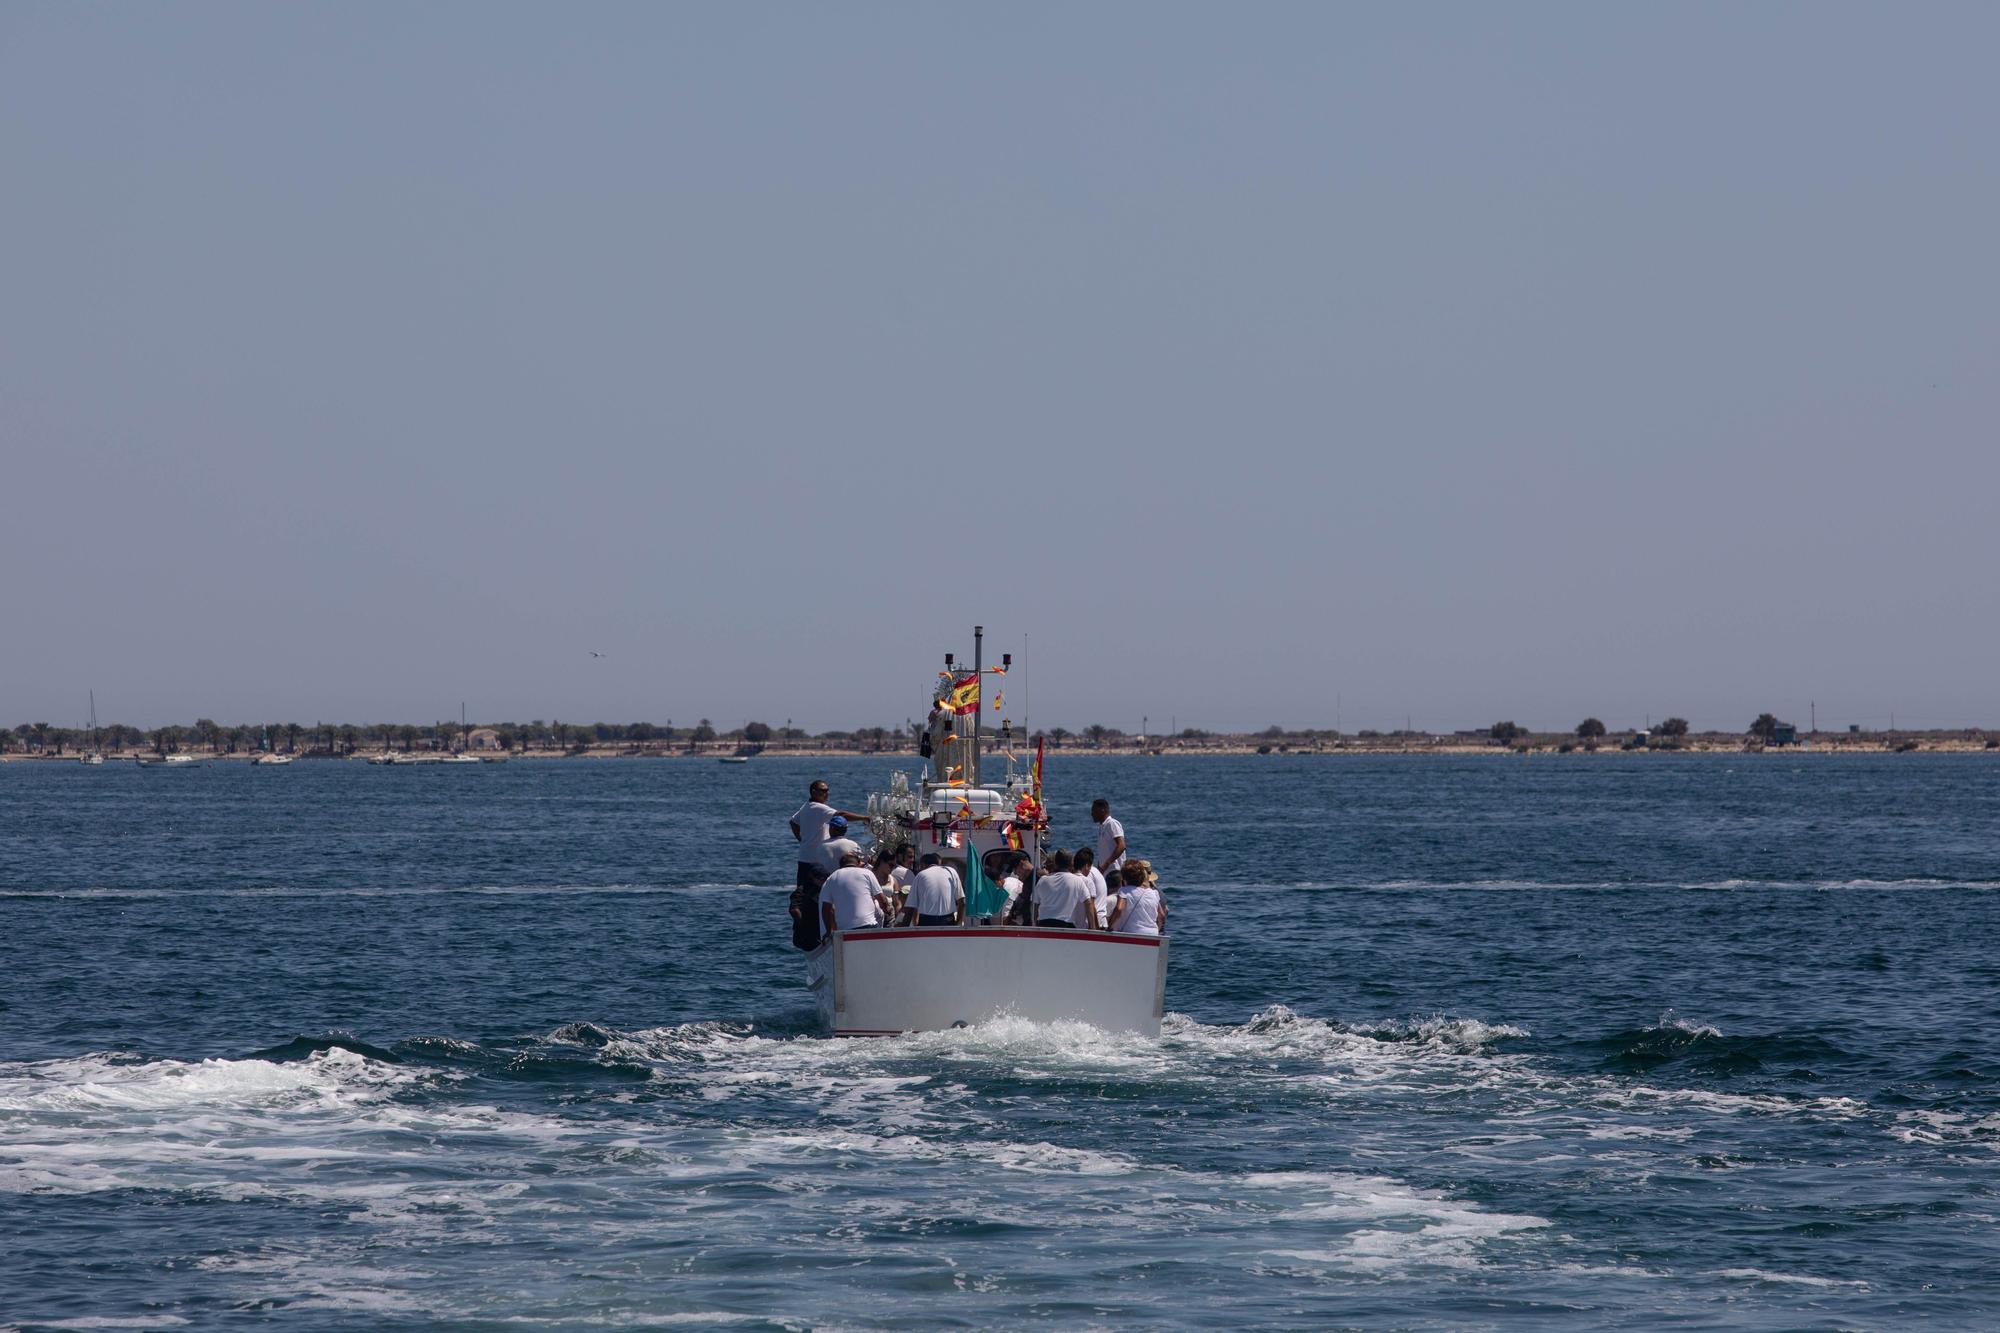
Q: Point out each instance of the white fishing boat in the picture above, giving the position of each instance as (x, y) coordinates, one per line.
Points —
(169, 761)
(878, 982)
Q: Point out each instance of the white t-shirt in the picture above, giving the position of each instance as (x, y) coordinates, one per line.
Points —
(1012, 885)
(1061, 897)
(812, 820)
(1108, 834)
(1101, 892)
(833, 849)
(851, 890)
(900, 878)
(1142, 912)
(935, 892)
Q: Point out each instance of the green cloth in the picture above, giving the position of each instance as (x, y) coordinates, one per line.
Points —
(982, 896)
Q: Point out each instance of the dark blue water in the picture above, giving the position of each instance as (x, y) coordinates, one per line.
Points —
(1583, 1042)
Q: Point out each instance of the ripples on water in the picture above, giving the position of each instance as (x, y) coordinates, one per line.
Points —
(1478, 1043)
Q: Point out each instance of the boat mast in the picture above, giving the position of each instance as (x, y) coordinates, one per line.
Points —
(979, 700)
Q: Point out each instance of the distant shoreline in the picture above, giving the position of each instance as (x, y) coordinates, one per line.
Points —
(1902, 743)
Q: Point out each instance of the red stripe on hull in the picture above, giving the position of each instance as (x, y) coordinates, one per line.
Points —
(999, 933)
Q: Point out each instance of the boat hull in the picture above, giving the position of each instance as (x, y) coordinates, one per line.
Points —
(872, 983)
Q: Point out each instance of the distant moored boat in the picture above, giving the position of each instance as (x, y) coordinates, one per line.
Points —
(95, 754)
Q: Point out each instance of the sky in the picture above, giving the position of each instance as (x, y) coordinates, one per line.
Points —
(1233, 365)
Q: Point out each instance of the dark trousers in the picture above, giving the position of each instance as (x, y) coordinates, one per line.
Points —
(936, 919)
(1049, 922)
(805, 906)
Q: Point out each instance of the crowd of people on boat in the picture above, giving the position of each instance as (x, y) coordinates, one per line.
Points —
(843, 887)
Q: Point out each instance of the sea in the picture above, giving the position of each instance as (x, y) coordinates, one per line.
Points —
(1482, 1042)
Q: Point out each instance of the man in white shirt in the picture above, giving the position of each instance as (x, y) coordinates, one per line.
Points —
(883, 867)
(1140, 908)
(905, 869)
(1100, 892)
(937, 897)
(809, 826)
(1110, 836)
(1015, 880)
(849, 899)
(837, 844)
(1062, 897)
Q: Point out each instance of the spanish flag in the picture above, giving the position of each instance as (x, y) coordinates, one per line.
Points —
(963, 696)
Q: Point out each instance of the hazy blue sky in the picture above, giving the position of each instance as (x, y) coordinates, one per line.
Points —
(1464, 361)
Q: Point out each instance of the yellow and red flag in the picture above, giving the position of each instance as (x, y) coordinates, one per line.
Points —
(963, 696)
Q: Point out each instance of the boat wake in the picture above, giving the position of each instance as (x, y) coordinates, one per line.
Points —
(691, 1154)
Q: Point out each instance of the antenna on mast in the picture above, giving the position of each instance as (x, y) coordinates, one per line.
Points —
(978, 701)
(1027, 731)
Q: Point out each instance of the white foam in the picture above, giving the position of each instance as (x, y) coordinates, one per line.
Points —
(110, 1083)
(1669, 1021)
(237, 1129)
(1920, 1126)
(1793, 1279)
(115, 1321)
(624, 1319)
(1401, 1227)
